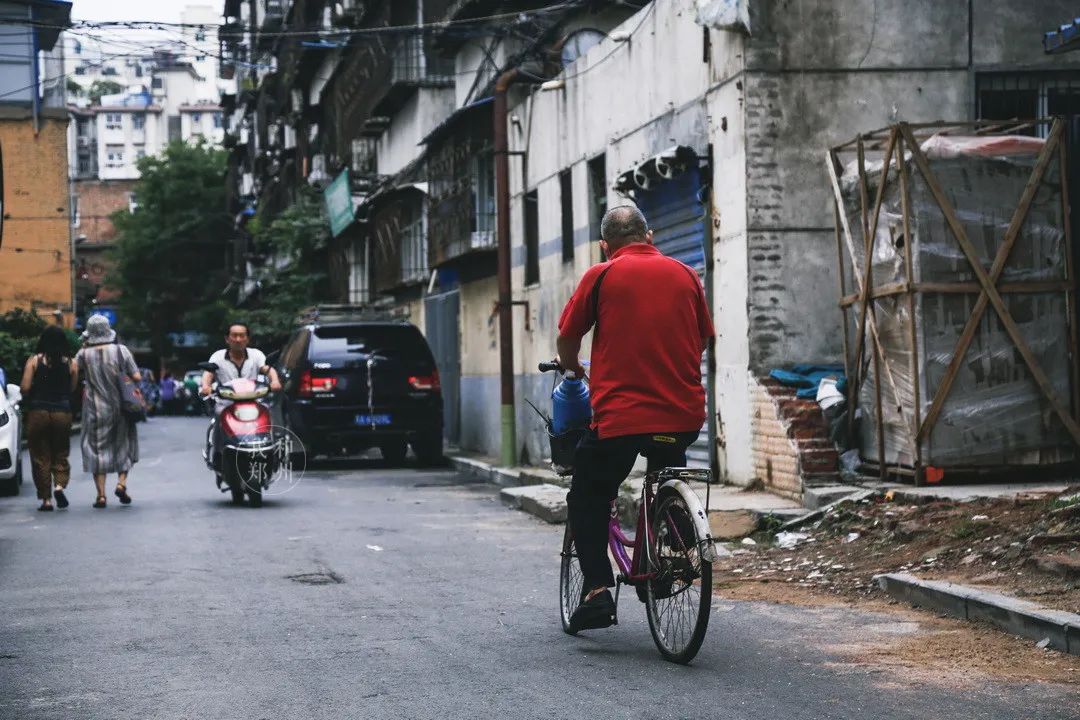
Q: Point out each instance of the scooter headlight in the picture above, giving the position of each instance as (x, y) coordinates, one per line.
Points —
(246, 413)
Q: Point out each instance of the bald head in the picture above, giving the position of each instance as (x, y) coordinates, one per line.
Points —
(623, 225)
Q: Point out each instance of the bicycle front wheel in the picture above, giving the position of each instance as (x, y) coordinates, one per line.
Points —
(679, 596)
(570, 580)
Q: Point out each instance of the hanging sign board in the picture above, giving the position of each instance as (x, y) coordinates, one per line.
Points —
(339, 204)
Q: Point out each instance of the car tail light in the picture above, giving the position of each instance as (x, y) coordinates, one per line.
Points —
(310, 386)
(425, 382)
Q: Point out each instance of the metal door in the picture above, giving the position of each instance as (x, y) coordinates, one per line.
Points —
(676, 216)
(443, 335)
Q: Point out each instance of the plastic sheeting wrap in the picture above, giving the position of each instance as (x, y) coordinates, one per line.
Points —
(724, 15)
(995, 413)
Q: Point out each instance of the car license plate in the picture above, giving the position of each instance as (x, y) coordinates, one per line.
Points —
(372, 419)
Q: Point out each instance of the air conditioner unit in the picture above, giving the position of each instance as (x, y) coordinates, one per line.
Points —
(83, 142)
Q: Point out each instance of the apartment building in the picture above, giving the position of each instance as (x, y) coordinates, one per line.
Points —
(713, 117)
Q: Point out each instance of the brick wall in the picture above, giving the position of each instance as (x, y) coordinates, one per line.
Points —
(95, 233)
(791, 441)
(35, 256)
(98, 199)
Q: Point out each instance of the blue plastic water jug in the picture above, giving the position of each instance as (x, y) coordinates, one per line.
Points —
(570, 406)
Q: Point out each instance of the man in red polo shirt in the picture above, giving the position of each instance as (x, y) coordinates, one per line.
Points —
(650, 324)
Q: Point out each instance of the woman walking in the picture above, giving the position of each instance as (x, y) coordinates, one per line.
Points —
(110, 443)
(49, 378)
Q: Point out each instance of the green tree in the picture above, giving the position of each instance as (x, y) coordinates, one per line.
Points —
(171, 252)
(103, 87)
(295, 275)
(74, 89)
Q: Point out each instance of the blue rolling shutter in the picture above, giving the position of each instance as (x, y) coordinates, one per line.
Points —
(677, 218)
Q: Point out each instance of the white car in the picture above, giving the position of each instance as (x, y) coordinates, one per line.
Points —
(11, 475)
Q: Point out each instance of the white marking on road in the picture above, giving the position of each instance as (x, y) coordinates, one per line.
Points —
(376, 548)
(298, 537)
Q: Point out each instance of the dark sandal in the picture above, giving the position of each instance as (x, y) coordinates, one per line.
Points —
(121, 492)
(45, 508)
(61, 498)
(100, 502)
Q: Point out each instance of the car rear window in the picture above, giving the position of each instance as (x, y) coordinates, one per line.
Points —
(350, 341)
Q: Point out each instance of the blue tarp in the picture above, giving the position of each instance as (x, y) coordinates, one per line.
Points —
(807, 378)
(1064, 39)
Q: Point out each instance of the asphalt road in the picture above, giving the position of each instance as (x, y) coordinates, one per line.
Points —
(435, 602)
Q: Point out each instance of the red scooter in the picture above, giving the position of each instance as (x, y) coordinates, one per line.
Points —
(243, 448)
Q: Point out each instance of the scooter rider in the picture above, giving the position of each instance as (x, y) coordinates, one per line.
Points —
(236, 361)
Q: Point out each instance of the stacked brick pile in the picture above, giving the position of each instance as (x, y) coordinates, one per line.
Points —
(791, 441)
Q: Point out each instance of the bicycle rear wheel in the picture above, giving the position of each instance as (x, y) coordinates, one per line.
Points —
(679, 597)
(570, 580)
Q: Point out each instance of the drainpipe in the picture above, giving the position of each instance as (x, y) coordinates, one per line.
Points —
(508, 456)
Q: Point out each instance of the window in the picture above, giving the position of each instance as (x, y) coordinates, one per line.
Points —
(483, 194)
(76, 47)
(82, 127)
(133, 202)
(358, 271)
(157, 83)
(566, 192)
(140, 152)
(138, 121)
(74, 210)
(80, 70)
(138, 70)
(86, 163)
(532, 239)
(174, 127)
(196, 118)
(597, 170)
(217, 121)
(109, 70)
(114, 121)
(414, 249)
(114, 156)
(364, 158)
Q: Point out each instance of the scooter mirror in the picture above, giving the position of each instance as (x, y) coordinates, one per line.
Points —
(208, 366)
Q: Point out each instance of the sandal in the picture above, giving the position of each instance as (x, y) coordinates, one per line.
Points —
(45, 508)
(61, 498)
(100, 502)
(121, 492)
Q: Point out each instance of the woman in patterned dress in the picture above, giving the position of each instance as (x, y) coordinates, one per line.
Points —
(110, 443)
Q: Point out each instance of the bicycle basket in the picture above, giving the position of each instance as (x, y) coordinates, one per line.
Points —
(563, 447)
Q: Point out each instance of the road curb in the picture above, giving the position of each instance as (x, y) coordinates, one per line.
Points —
(536, 491)
(1019, 617)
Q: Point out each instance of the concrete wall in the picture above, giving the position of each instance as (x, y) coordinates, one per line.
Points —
(594, 114)
(399, 145)
(35, 257)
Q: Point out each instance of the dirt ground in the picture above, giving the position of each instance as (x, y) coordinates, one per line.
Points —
(941, 650)
(1027, 546)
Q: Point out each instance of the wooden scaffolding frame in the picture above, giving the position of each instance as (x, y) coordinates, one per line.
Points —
(898, 142)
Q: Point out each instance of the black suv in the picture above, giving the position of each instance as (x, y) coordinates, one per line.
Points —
(352, 385)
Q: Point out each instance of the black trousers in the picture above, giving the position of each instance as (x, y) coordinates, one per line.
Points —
(600, 466)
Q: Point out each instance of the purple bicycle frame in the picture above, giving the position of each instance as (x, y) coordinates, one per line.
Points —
(630, 566)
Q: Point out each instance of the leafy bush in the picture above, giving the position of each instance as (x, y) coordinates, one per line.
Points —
(19, 333)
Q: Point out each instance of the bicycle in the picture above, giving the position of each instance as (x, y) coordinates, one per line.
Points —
(669, 562)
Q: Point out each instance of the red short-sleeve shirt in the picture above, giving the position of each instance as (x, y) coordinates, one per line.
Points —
(652, 325)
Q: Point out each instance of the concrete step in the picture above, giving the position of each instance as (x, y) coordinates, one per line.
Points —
(820, 496)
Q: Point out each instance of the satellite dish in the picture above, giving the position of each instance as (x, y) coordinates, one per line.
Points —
(579, 43)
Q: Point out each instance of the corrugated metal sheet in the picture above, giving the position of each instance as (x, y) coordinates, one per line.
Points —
(677, 218)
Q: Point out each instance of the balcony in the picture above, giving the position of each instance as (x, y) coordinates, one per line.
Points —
(413, 64)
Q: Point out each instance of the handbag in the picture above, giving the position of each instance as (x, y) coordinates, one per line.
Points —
(131, 398)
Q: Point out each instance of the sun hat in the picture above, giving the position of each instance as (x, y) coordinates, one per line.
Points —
(98, 330)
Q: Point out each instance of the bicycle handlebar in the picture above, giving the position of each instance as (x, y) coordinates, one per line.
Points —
(552, 366)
